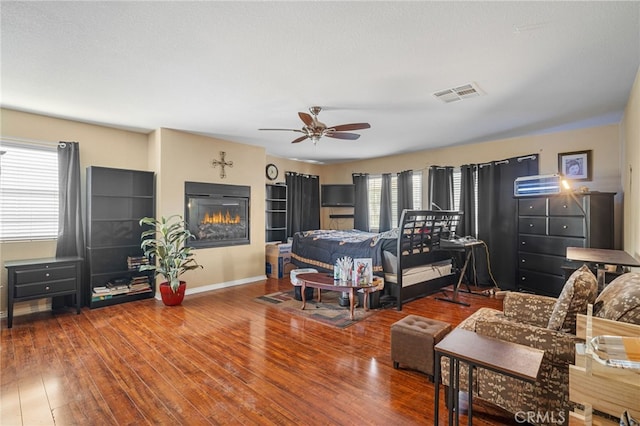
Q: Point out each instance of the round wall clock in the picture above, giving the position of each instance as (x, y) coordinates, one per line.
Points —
(272, 171)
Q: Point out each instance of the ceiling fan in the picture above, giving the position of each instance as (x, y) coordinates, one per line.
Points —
(314, 129)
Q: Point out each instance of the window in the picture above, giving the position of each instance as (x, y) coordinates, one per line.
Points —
(375, 187)
(28, 192)
(457, 179)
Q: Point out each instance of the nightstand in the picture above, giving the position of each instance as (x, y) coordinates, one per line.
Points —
(40, 278)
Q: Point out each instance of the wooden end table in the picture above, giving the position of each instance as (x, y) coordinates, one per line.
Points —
(324, 281)
(477, 351)
(601, 257)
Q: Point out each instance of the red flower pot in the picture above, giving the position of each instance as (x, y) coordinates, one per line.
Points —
(170, 298)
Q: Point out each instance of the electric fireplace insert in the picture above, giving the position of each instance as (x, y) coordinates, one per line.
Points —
(217, 214)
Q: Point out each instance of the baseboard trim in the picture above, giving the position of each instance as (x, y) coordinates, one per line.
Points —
(211, 287)
(29, 307)
(44, 304)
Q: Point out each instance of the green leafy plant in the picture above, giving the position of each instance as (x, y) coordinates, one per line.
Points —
(166, 243)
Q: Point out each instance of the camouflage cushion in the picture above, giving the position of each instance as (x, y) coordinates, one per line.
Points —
(528, 308)
(580, 289)
(620, 300)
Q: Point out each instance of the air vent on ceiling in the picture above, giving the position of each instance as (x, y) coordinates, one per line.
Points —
(459, 93)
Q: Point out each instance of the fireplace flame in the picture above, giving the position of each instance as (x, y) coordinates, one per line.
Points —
(217, 218)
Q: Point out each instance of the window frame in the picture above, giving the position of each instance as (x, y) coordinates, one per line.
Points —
(374, 187)
(29, 194)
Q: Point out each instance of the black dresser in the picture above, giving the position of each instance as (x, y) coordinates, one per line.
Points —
(40, 278)
(547, 225)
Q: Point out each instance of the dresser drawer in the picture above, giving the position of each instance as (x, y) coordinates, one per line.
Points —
(564, 206)
(532, 206)
(532, 225)
(556, 246)
(541, 283)
(567, 226)
(541, 262)
(45, 288)
(44, 273)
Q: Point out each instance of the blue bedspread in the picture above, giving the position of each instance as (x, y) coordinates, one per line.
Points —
(320, 249)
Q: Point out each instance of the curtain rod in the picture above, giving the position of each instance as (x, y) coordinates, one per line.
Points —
(300, 174)
(24, 141)
(382, 173)
(519, 159)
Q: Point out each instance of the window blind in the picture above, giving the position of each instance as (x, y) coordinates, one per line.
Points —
(375, 187)
(28, 192)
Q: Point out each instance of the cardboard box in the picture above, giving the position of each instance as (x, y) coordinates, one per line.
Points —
(278, 259)
(276, 266)
(277, 249)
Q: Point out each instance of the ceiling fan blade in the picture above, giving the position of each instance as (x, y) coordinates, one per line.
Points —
(286, 130)
(352, 126)
(350, 136)
(300, 139)
(306, 118)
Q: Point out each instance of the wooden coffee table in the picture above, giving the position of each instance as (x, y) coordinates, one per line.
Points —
(478, 351)
(324, 281)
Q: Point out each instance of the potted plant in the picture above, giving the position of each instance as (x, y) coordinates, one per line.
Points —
(165, 247)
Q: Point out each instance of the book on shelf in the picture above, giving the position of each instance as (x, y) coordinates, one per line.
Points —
(98, 297)
(141, 290)
(134, 262)
(141, 279)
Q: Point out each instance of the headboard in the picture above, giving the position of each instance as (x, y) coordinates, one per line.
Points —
(420, 232)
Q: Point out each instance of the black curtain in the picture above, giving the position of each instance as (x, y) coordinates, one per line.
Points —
(405, 191)
(497, 221)
(303, 200)
(385, 203)
(440, 188)
(468, 200)
(361, 208)
(70, 231)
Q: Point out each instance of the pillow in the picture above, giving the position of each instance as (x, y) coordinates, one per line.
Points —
(620, 299)
(580, 289)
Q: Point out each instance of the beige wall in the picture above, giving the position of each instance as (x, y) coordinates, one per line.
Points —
(630, 166)
(604, 141)
(178, 156)
(286, 165)
(182, 157)
(99, 146)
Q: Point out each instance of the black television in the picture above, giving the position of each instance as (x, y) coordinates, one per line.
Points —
(338, 195)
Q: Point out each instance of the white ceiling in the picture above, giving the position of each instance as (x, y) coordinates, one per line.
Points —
(225, 69)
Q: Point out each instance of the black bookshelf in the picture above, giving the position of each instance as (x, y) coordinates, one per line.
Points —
(276, 213)
(116, 201)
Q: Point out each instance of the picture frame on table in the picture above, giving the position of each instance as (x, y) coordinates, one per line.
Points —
(576, 165)
(362, 271)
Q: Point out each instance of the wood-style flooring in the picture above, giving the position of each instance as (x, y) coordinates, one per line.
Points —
(220, 358)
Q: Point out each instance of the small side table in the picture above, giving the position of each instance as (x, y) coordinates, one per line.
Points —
(40, 278)
(477, 351)
(601, 257)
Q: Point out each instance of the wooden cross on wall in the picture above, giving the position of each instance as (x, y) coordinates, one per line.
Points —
(222, 163)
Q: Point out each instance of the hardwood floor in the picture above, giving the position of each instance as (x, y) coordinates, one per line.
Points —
(220, 358)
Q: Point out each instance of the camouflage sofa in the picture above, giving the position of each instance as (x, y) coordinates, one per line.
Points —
(541, 322)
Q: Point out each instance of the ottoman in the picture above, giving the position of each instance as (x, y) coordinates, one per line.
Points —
(308, 292)
(412, 342)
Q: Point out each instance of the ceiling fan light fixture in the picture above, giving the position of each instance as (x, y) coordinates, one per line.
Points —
(314, 129)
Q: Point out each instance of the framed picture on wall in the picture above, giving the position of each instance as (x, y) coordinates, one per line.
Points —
(575, 165)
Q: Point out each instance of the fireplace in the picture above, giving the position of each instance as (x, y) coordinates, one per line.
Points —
(217, 214)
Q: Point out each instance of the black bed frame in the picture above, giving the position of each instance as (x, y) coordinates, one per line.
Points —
(420, 235)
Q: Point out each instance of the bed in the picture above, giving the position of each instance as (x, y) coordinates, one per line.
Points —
(409, 257)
